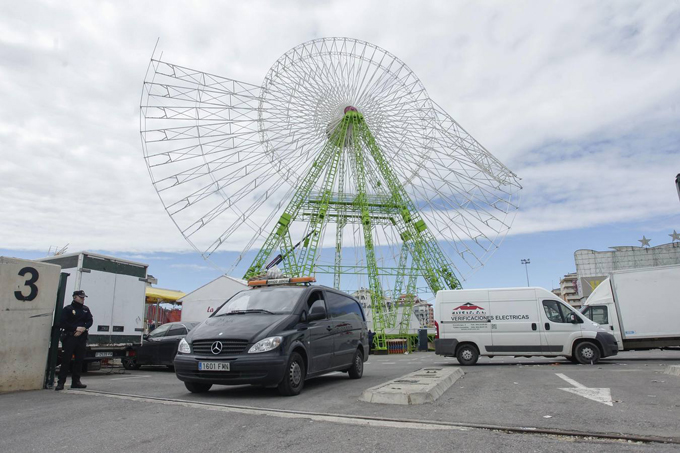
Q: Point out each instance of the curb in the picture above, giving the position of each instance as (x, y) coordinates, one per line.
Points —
(420, 387)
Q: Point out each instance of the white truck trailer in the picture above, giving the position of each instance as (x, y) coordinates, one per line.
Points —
(116, 291)
(641, 307)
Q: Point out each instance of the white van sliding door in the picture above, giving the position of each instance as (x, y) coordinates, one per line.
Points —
(514, 322)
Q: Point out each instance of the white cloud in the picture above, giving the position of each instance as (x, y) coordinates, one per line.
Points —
(577, 98)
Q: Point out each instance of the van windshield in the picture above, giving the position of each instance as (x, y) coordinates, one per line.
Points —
(280, 300)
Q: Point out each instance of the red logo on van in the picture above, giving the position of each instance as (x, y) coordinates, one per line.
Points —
(468, 306)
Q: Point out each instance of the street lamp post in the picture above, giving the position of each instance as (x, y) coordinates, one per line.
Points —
(526, 262)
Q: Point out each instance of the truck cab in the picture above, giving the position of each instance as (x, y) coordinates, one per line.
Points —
(601, 309)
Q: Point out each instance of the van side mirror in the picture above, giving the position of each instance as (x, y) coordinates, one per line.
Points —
(573, 318)
(317, 314)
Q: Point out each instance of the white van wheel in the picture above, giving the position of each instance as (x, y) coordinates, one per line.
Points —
(587, 353)
(467, 355)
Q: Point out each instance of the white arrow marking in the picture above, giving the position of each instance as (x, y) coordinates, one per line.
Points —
(603, 396)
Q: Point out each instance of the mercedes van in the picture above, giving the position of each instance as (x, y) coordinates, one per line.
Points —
(276, 334)
(516, 322)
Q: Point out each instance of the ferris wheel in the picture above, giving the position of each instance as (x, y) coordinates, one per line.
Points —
(338, 163)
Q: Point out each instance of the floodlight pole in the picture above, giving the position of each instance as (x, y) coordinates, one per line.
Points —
(526, 262)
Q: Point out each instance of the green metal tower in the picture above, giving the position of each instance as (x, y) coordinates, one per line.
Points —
(376, 196)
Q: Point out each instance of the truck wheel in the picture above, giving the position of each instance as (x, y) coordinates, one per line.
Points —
(294, 376)
(587, 353)
(357, 368)
(196, 387)
(467, 355)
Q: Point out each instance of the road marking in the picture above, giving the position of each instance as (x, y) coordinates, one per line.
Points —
(602, 395)
(130, 377)
(330, 418)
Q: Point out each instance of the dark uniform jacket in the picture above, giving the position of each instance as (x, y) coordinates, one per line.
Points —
(73, 316)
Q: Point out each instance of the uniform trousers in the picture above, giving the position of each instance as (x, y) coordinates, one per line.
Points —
(72, 346)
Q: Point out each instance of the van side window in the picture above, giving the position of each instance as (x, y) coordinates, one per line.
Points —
(553, 311)
(342, 307)
(353, 307)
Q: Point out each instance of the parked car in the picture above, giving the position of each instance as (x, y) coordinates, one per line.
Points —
(275, 336)
(160, 346)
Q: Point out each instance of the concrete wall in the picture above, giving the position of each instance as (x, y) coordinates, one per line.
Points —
(25, 325)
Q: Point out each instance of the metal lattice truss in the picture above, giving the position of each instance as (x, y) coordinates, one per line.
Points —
(341, 152)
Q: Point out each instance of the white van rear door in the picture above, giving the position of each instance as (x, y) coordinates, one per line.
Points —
(463, 315)
(515, 323)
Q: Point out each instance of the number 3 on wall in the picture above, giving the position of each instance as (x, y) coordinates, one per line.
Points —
(30, 283)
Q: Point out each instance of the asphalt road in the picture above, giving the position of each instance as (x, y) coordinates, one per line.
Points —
(150, 410)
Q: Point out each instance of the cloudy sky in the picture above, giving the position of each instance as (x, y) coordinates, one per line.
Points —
(580, 99)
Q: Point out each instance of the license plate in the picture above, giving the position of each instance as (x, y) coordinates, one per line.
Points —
(103, 354)
(213, 366)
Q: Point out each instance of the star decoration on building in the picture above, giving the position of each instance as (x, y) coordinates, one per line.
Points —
(675, 236)
(644, 241)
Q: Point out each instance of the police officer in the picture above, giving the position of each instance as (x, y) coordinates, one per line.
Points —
(75, 320)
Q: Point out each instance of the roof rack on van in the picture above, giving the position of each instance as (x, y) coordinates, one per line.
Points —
(282, 281)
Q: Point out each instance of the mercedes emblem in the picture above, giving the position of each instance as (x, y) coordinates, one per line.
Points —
(216, 347)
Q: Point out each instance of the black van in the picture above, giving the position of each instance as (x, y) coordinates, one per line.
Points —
(275, 336)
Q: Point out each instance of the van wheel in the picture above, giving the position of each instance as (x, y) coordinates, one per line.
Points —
(572, 359)
(587, 353)
(294, 377)
(196, 387)
(357, 368)
(467, 355)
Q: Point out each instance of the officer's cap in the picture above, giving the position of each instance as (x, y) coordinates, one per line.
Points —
(79, 293)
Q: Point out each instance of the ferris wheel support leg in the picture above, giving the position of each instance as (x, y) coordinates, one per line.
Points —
(361, 203)
(430, 258)
(407, 311)
(342, 220)
(293, 209)
(288, 256)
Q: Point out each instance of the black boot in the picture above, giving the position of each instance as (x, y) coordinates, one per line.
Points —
(78, 385)
(60, 386)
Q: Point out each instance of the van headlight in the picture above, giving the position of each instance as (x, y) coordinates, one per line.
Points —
(184, 347)
(265, 345)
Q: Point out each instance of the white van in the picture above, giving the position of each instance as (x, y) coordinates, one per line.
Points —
(515, 322)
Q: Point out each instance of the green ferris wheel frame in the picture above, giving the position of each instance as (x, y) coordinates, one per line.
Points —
(340, 137)
(353, 137)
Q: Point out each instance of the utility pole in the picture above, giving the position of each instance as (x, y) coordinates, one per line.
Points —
(526, 262)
